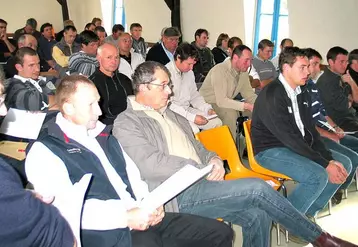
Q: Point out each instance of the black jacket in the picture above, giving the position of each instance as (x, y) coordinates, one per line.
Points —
(113, 92)
(157, 53)
(219, 55)
(273, 125)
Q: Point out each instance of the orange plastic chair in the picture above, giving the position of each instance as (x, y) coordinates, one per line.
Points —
(220, 141)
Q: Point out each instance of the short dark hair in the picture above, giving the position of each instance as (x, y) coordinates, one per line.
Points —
(88, 25)
(264, 43)
(185, 51)
(310, 53)
(289, 56)
(99, 29)
(144, 73)
(70, 28)
(220, 39)
(171, 32)
(117, 27)
(133, 25)
(43, 26)
(3, 21)
(22, 52)
(238, 50)
(335, 51)
(353, 55)
(87, 37)
(284, 41)
(95, 19)
(199, 32)
(234, 40)
(32, 23)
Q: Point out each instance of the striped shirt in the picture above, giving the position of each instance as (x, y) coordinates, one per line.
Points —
(292, 94)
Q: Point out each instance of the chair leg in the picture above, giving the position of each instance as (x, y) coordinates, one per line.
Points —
(278, 234)
(346, 194)
(329, 207)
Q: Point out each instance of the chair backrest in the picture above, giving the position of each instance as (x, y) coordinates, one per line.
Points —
(220, 141)
(250, 154)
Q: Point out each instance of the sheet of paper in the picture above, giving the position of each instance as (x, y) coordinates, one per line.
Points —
(208, 117)
(22, 124)
(14, 150)
(171, 187)
(70, 205)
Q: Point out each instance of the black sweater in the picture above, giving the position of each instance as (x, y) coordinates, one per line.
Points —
(25, 220)
(273, 125)
(113, 92)
(157, 54)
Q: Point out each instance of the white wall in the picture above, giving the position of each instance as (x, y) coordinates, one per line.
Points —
(17, 12)
(322, 24)
(215, 16)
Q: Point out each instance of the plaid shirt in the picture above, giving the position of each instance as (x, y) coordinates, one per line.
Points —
(292, 94)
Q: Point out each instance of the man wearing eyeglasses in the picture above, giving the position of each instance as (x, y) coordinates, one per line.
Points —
(163, 51)
(113, 87)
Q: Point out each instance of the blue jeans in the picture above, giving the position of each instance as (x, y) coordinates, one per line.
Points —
(250, 203)
(348, 146)
(313, 190)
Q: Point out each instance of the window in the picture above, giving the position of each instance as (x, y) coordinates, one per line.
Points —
(271, 22)
(119, 14)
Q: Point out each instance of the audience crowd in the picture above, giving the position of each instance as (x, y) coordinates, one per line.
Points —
(128, 114)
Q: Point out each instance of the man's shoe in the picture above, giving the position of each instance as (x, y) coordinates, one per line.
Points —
(327, 240)
(337, 198)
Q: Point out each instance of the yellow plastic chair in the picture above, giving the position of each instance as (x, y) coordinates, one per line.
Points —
(220, 141)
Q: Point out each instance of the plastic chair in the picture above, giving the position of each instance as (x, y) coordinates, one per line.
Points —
(259, 169)
(220, 141)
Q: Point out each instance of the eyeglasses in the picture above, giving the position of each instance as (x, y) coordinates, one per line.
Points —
(169, 85)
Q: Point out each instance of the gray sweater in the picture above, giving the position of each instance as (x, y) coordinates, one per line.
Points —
(143, 139)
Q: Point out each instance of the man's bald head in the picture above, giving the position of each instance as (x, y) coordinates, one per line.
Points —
(108, 58)
(27, 40)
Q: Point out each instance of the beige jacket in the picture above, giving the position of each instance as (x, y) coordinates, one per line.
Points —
(223, 83)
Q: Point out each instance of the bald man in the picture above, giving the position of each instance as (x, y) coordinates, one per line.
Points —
(129, 59)
(113, 87)
(25, 40)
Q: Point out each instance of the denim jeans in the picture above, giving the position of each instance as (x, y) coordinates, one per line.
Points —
(313, 190)
(348, 146)
(250, 203)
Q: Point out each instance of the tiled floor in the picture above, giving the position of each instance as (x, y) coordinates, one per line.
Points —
(343, 222)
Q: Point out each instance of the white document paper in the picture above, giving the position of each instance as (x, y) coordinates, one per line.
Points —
(171, 187)
(22, 124)
(208, 117)
(71, 203)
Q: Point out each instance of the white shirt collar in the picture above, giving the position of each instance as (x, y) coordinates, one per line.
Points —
(78, 131)
(288, 88)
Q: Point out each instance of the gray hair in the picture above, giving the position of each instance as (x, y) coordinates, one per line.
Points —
(144, 73)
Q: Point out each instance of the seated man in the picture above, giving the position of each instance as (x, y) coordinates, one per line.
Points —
(25, 40)
(30, 28)
(117, 31)
(353, 65)
(62, 50)
(186, 100)
(285, 139)
(138, 43)
(25, 220)
(111, 214)
(224, 82)
(6, 47)
(27, 90)
(332, 136)
(286, 42)
(163, 51)
(112, 86)
(220, 51)
(338, 91)
(59, 35)
(85, 61)
(90, 27)
(46, 42)
(101, 33)
(129, 59)
(161, 142)
(263, 65)
(205, 60)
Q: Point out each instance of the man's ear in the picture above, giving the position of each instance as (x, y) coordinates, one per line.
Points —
(142, 88)
(285, 67)
(18, 67)
(68, 109)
